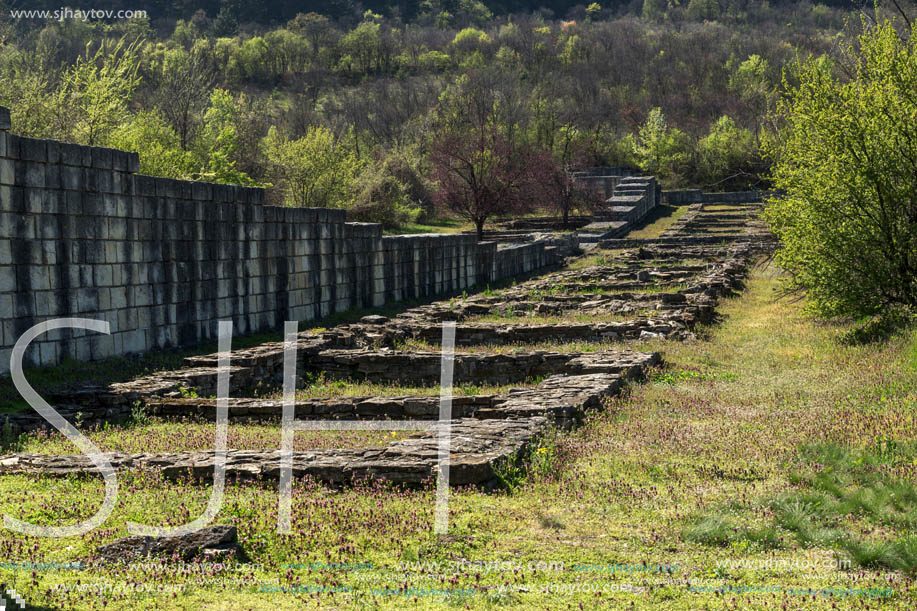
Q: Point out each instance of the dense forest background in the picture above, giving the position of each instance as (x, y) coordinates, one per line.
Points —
(363, 104)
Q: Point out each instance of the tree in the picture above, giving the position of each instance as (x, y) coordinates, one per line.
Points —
(659, 149)
(383, 197)
(315, 28)
(218, 144)
(751, 81)
(655, 9)
(554, 168)
(160, 151)
(94, 93)
(704, 9)
(315, 170)
(481, 175)
(227, 20)
(847, 160)
(480, 158)
(724, 152)
(562, 193)
(184, 80)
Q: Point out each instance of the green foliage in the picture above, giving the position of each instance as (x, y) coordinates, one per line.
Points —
(836, 484)
(162, 155)
(362, 48)
(724, 152)
(661, 150)
(846, 159)
(574, 51)
(226, 22)
(219, 140)
(470, 39)
(383, 198)
(9, 442)
(655, 9)
(539, 460)
(382, 75)
(704, 9)
(315, 170)
(95, 92)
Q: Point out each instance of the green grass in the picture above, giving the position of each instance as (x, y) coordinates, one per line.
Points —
(838, 490)
(658, 221)
(164, 436)
(317, 386)
(435, 226)
(716, 465)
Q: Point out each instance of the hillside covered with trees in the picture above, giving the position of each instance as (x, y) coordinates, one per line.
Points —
(347, 106)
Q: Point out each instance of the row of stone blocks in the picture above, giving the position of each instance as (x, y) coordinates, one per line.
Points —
(501, 430)
(333, 350)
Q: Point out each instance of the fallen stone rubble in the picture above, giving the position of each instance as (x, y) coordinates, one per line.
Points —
(208, 541)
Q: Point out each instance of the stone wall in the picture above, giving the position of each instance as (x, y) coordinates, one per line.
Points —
(83, 234)
(697, 196)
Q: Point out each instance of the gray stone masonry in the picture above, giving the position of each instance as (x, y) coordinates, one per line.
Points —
(83, 234)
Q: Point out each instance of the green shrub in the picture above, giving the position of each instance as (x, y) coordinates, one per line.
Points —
(848, 222)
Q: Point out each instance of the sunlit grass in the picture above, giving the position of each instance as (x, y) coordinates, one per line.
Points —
(662, 218)
(714, 443)
(165, 436)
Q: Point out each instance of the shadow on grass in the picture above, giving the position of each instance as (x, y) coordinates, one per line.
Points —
(835, 484)
(881, 328)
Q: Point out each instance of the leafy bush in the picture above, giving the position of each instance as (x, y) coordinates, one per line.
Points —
(315, 170)
(383, 197)
(846, 159)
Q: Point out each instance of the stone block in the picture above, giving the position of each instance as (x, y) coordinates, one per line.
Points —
(7, 172)
(6, 305)
(71, 154)
(101, 158)
(33, 149)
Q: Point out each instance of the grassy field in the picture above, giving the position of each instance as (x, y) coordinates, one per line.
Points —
(770, 456)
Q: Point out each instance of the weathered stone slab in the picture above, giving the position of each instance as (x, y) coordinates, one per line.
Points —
(476, 448)
(387, 365)
(340, 408)
(205, 541)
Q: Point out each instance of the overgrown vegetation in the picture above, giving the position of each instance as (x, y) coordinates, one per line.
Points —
(348, 108)
(837, 488)
(847, 160)
(734, 429)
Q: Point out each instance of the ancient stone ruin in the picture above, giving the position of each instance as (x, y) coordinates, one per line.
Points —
(660, 288)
